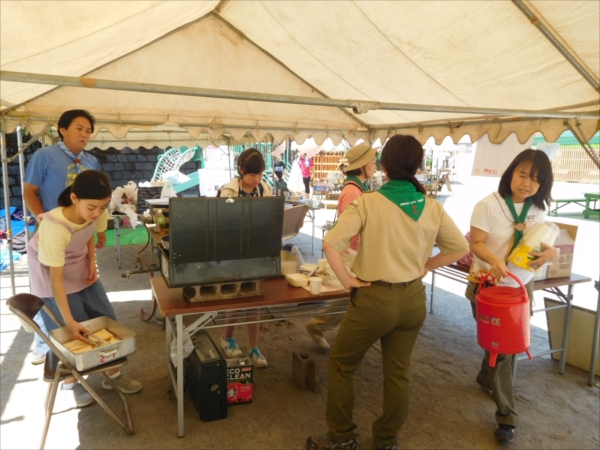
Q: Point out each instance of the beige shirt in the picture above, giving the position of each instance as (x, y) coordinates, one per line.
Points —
(393, 247)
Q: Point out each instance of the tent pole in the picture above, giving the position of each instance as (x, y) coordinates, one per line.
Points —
(22, 174)
(538, 21)
(358, 106)
(584, 141)
(7, 204)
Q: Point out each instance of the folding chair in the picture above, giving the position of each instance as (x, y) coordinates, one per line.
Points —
(57, 367)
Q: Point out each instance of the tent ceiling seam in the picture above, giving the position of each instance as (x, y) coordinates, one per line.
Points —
(244, 36)
(556, 40)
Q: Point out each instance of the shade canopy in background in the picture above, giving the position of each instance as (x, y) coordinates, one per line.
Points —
(238, 71)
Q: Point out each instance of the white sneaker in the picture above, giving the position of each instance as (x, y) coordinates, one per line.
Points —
(77, 397)
(317, 337)
(37, 358)
(125, 384)
(230, 346)
(257, 358)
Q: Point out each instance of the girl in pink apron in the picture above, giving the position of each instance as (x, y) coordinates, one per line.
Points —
(62, 268)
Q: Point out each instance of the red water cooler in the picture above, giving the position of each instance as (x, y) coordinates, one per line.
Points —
(503, 320)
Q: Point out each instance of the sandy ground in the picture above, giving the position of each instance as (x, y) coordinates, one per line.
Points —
(448, 410)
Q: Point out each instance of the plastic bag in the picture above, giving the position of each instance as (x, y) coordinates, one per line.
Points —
(532, 240)
(188, 347)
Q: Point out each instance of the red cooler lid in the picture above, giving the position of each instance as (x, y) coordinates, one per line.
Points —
(502, 294)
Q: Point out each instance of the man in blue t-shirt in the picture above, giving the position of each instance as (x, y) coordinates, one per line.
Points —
(50, 171)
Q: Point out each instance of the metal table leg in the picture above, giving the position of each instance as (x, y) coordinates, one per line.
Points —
(179, 320)
(566, 330)
(117, 221)
(312, 246)
(595, 339)
(432, 291)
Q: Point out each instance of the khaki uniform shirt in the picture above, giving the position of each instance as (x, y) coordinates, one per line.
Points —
(393, 247)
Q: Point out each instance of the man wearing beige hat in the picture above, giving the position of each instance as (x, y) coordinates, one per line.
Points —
(359, 168)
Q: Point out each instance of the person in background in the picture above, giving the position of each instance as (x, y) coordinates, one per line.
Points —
(63, 272)
(360, 168)
(49, 171)
(497, 225)
(398, 226)
(251, 167)
(306, 167)
(278, 168)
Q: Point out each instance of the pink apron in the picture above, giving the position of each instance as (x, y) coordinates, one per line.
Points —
(76, 262)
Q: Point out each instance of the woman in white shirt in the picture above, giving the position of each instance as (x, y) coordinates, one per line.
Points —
(497, 224)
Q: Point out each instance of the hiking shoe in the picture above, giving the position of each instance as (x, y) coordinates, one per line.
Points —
(37, 358)
(484, 387)
(230, 346)
(388, 447)
(505, 433)
(76, 397)
(317, 337)
(257, 358)
(125, 383)
(323, 443)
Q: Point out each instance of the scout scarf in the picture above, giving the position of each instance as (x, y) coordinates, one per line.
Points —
(74, 157)
(404, 195)
(519, 224)
(362, 185)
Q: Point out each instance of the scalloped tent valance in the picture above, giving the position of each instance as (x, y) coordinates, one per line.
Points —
(409, 67)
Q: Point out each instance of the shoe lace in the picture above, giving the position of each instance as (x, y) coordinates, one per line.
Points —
(256, 352)
(79, 390)
(231, 343)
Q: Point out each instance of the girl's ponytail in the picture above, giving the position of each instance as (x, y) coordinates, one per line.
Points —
(64, 199)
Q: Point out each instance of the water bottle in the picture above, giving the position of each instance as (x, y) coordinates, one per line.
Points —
(160, 221)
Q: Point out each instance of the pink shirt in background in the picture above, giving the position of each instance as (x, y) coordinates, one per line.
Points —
(349, 193)
(305, 165)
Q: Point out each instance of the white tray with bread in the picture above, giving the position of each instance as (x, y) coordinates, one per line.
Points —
(119, 341)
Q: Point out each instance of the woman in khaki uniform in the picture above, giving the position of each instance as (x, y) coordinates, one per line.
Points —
(398, 227)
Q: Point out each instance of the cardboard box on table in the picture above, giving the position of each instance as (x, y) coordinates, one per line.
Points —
(563, 266)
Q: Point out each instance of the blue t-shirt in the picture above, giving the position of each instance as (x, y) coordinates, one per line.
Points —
(52, 170)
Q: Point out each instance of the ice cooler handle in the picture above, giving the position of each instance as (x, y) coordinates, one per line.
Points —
(512, 276)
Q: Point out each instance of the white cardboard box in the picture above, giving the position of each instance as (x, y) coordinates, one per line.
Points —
(565, 242)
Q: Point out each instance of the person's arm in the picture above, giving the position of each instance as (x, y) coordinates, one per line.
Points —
(59, 293)
(441, 260)
(92, 269)
(336, 262)
(101, 240)
(497, 265)
(32, 201)
(549, 254)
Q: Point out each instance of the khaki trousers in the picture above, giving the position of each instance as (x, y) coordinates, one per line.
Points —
(499, 378)
(393, 315)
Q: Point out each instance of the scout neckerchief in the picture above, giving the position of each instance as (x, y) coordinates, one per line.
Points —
(361, 184)
(519, 224)
(76, 159)
(404, 194)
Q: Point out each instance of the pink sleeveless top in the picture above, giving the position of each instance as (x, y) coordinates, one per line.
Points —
(76, 263)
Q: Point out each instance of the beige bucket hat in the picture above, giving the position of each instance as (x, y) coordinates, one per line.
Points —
(359, 156)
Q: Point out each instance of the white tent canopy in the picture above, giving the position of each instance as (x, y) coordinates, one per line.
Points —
(413, 67)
